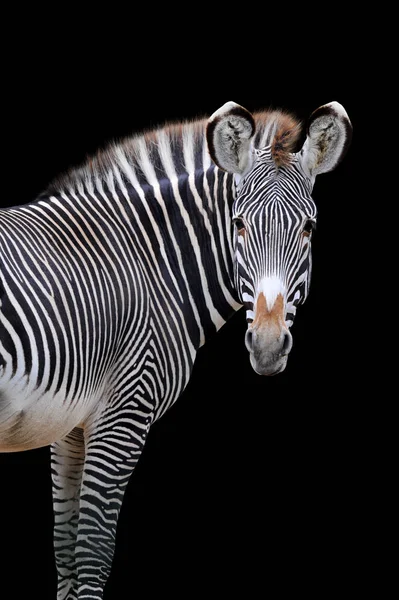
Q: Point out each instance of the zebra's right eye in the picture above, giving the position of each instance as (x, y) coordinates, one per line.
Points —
(309, 227)
(239, 223)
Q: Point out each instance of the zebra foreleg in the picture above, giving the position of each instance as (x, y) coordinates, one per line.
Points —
(113, 446)
(67, 461)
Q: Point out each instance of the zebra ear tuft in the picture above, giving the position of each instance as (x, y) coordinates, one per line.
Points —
(229, 135)
(329, 135)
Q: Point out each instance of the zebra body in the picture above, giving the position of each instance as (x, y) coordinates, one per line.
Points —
(113, 279)
(102, 294)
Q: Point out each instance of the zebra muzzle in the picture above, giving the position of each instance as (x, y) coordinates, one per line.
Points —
(268, 339)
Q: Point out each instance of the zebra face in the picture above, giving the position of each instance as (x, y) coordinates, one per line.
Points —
(274, 214)
(274, 217)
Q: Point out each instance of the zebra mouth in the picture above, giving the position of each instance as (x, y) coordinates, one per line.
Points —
(268, 369)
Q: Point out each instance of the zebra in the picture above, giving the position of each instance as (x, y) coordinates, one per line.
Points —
(114, 277)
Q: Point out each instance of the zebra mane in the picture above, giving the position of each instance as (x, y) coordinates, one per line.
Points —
(276, 128)
(280, 130)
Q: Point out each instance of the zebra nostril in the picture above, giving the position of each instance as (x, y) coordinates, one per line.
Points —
(287, 343)
(249, 340)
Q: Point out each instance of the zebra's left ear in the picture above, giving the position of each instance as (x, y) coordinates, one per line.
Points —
(329, 134)
(229, 134)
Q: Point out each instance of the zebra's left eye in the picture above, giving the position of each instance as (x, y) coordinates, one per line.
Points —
(239, 224)
(308, 227)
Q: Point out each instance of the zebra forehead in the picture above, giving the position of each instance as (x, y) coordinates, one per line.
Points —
(274, 196)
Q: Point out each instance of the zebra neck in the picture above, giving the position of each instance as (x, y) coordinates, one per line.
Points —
(187, 220)
(178, 206)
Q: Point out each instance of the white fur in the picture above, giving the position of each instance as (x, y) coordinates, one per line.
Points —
(234, 156)
(331, 129)
(250, 315)
(339, 109)
(271, 287)
(247, 298)
(227, 107)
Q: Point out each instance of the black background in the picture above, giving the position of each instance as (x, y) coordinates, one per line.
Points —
(248, 484)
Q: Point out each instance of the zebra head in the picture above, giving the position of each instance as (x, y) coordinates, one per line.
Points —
(274, 214)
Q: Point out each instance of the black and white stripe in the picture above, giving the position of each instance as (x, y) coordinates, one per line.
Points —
(275, 205)
(109, 283)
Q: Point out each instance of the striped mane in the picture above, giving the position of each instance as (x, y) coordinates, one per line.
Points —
(280, 130)
(188, 149)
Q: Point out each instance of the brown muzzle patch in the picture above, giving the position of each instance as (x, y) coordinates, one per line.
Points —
(274, 318)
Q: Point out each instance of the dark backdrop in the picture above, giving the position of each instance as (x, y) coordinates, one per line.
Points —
(247, 482)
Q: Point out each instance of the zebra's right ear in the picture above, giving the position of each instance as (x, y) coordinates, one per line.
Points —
(229, 133)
